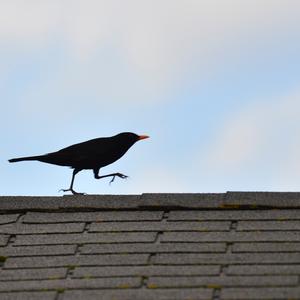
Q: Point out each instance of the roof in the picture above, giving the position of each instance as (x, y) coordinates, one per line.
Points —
(236, 245)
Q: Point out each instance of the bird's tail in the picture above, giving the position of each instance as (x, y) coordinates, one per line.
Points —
(24, 158)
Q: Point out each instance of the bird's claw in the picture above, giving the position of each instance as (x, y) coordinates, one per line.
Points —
(72, 191)
(118, 175)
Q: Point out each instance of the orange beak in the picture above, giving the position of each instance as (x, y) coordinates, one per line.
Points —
(142, 137)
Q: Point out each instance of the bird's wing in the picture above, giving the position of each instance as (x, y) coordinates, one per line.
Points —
(89, 148)
(64, 158)
(80, 153)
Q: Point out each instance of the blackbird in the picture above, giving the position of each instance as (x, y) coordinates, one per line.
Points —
(93, 154)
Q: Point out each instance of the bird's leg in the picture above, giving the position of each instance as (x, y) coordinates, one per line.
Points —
(113, 175)
(70, 189)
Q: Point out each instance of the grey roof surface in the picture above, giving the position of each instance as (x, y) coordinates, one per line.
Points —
(236, 245)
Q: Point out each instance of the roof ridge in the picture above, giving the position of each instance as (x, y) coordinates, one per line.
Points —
(152, 201)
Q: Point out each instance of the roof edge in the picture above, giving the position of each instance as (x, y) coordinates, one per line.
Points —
(152, 201)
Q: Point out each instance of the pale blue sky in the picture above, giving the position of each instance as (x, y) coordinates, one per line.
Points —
(215, 83)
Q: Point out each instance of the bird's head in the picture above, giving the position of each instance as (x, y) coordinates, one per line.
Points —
(130, 138)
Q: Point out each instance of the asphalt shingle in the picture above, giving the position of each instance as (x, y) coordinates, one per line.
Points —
(181, 200)
(37, 250)
(45, 295)
(256, 293)
(230, 237)
(266, 247)
(224, 214)
(146, 294)
(72, 261)
(160, 226)
(264, 269)
(153, 246)
(61, 284)
(228, 258)
(268, 225)
(220, 281)
(29, 274)
(19, 228)
(3, 239)
(144, 271)
(266, 199)
(103, 216)
(6, 219)
(75, 238)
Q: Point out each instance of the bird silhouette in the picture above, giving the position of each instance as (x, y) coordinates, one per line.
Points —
(93, 154)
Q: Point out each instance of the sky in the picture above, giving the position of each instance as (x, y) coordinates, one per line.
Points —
(214, 83)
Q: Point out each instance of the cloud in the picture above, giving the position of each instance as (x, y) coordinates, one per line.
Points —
(119, 53)
(264, 136)
(155, 36)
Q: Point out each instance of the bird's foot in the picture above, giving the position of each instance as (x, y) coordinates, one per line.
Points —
(71, 190)
(118, 175)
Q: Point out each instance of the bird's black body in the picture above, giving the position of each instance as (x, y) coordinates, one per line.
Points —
(93, 154)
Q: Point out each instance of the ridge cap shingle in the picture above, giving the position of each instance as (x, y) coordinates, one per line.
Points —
(152, 201)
